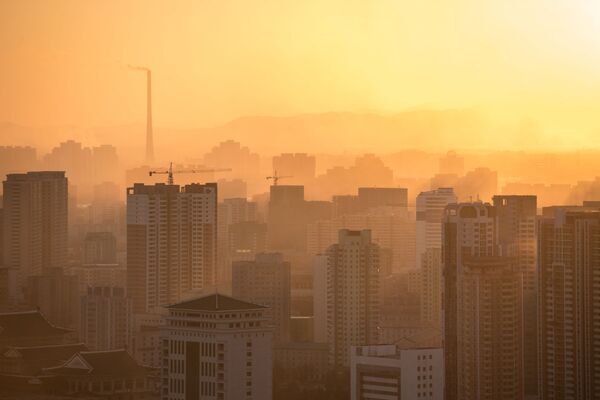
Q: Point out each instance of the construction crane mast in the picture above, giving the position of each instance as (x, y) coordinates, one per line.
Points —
(275, 178)
(170, 172)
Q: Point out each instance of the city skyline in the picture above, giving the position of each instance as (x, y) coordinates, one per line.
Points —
(278, 200)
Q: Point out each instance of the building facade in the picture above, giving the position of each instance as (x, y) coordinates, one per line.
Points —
(106, 319)
(385, 372)
(516, 220)
(569, 304)
(266, 281)
(171, 242)
(353, 294)
(216, 347)
(34, 224)
(430, 211)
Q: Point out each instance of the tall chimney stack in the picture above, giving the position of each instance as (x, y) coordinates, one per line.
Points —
(149, 138)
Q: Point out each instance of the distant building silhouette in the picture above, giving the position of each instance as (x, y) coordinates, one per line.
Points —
(266, 281)
(100, 248)
(300, 167)
(17, 159)
(451, 163)
(171, 242)
(34, 225)
(56, 294)
(99, 275)
(216, 347)
(286, 222)
(106, 319)
(238, 235)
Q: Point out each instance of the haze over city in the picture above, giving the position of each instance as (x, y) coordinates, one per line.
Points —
(278, 200)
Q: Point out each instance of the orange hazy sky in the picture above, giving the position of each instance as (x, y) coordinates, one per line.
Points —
(213, 60)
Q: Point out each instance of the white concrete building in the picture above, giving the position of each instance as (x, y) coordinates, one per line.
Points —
(384, 372)
(216, 347)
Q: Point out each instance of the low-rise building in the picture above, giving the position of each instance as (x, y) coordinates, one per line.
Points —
(385, 372)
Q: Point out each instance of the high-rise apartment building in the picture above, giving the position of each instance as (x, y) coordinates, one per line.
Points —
(371, 197)
(489, 329)
(106, 319)
(353, 294)
(286, 222)
(299, 167)
(430, 212)
(569, 303)
(431, 287)
(266, 281)
(216, 347)
(171, 242)
(468, 231)
(100, 248)
(233, 213)
(391, 228)
(516, 235)
(55, 294)
(34, 224)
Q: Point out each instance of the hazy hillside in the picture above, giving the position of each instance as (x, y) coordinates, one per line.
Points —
(330, 132)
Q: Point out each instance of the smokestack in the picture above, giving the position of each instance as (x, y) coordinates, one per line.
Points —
(149, 138)
(149, 135)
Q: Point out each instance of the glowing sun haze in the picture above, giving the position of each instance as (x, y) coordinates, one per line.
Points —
(63, 62)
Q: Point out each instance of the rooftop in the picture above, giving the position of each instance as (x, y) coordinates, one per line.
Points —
(51, 352)
(27, 324)
(215, 302)
(105, 363)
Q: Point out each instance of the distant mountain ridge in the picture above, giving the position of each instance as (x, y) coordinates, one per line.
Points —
(327, 132)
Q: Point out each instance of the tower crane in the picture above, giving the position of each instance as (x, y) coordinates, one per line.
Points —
(170, 172)
(275, 178)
